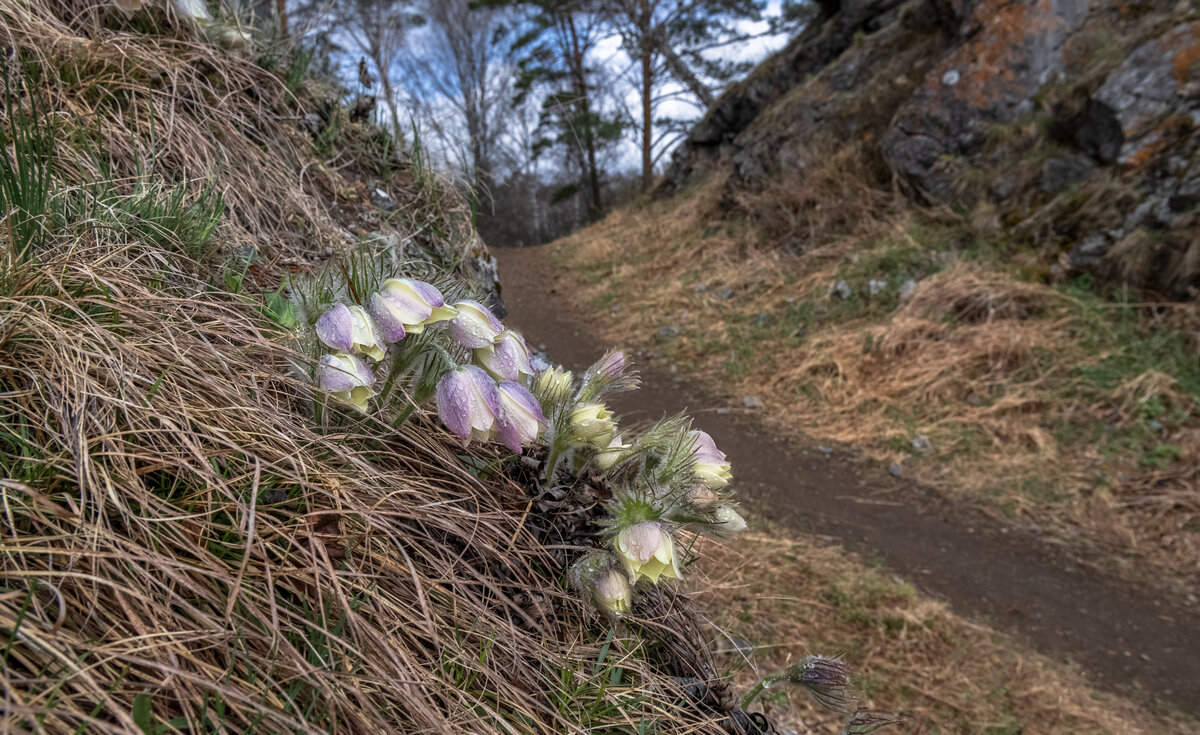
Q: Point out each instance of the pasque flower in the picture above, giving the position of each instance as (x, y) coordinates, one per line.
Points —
(827, 680)
(607, 457)
(475, 326)
(647, 550)
(598, 579)
(553, 385)
(591, 423)
(347, 378)
(520, 420)
(350, 329)
(468, 403)
(406, 306)
(507, 359)
(728, 520)
(711, 468)
(612, 365)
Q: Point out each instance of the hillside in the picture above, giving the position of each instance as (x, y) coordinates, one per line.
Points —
(956, 237)
(232, 501)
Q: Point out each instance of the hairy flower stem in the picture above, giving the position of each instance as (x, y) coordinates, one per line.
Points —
(761, 686)
(556, 453)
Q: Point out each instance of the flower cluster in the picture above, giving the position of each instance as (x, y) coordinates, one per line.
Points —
(484, 399)
(668, 478)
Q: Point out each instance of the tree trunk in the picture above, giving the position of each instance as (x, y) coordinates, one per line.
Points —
(680, 69)
(281, 11)
(647, 97)
(589, 132)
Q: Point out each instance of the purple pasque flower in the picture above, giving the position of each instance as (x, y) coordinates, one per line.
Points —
(468, 403)
(711, 468)
(827, 680)
(507, 359)
(475, 326)
(347, 378)
(406, 306)
(350, 329)
(612, 366)
(521, 420)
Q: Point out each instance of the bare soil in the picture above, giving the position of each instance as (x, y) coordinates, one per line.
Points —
(1125, 638)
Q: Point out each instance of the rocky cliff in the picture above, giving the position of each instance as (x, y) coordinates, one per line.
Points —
(1070, 126)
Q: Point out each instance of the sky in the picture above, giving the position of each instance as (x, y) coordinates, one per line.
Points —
(626, 158)
(629, 154)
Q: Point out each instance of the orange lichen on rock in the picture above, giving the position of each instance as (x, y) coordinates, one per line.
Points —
(1187, 61)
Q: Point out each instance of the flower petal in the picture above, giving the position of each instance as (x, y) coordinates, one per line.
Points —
(336, 328)
(391, 329)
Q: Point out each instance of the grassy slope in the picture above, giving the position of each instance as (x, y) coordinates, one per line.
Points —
(1046, 403)
(189, 540)
(999, 372)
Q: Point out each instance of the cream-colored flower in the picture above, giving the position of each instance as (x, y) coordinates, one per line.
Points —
(591, 423)
(647, 550)
(608, 457)
(347, 379)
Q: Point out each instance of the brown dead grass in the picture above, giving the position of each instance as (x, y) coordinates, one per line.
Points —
(789, 597)
(183, 546)
(984, 363)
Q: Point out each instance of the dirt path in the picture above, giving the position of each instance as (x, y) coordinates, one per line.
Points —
(1123, 638)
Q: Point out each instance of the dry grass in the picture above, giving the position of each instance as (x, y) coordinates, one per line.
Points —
(1047, 387)
(185, 548)
(776, 599)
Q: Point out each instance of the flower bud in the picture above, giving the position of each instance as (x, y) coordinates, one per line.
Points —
(608, 457)
(508, 359)
(710, 468)
(702, 496)
(728, 520)
(406, 306)
(553, 385)
(602, 584)
(591, 423)
(646, 550)
(349, 329)
(468, 403)
(611, 366)
(827, 680)
(521, 419)
(347, 378)
(475, 326)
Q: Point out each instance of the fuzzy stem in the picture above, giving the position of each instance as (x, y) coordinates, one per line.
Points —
(761, 686)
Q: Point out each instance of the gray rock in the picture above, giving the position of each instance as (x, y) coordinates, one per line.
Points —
(825, 450)
(1090, 252)
(1060, 174)
(700, 288)
(1144, 88)
(762, 320)
(842, 290)
(382, 199)
(752, 402)
(951, 77)
(724, 294)
(668, 331)
(907, 289)
(922, 444)
(874, 287)
(896, 470)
